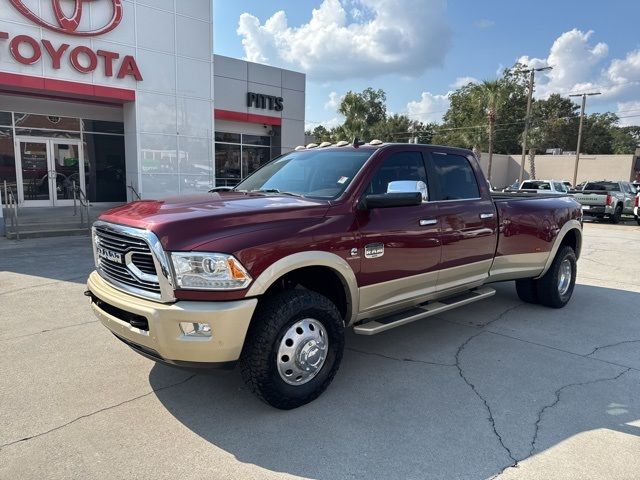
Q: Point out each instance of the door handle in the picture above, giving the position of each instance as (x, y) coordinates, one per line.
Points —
(484, 216)
(430, 221)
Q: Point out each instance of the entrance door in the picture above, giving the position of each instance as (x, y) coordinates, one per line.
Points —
(47, 169)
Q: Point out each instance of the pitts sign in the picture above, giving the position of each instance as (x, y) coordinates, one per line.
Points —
(29, 51)
(265, 102)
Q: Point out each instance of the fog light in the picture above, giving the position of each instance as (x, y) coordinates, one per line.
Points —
(195, 329)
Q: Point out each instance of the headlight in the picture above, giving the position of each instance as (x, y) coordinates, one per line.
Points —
(209, 271)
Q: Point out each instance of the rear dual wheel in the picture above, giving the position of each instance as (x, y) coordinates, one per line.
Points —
(556, 287)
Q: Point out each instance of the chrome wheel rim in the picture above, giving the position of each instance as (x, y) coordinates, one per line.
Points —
(302, 351)
(564, 277)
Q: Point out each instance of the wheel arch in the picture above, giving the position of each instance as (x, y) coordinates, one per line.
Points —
(570, 234)
(310, 263)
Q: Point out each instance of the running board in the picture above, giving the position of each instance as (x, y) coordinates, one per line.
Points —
(423, 311)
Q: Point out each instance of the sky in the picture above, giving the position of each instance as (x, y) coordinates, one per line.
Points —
(418, 51)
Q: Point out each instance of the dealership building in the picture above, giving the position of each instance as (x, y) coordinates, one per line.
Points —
(124, 98)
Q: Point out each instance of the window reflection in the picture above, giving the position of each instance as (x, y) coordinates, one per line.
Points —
(239, 155)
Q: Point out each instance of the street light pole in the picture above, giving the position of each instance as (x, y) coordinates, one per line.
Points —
(532, 74)
(584, 104)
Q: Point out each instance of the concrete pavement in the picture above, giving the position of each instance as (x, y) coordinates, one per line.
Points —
(498, 388)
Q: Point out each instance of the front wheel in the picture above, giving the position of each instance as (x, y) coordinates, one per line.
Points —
(555, 288)
(293, 348)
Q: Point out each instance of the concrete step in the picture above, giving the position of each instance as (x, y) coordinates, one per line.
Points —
(61, 232)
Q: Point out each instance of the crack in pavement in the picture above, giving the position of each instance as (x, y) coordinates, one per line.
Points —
(396, 359)
(59, 427)
(557, 394)
(501, 316)
(484, 401)
(48, 330)
(610, 346)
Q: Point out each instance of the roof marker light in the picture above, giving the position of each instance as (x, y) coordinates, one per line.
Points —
(375, 142)
(300, 147)
(324, 145)
(312, 145)
(342, 143)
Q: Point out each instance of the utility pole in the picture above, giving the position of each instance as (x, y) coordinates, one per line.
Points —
(532, 74)
(584, 104)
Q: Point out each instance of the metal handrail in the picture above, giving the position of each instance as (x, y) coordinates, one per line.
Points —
(134, 191)
(11, 200)
(79, 196)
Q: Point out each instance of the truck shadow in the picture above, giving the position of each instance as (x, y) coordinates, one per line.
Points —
(399, 407)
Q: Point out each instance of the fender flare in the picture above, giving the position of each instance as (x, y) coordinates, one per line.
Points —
(312, 259)
(566, 228)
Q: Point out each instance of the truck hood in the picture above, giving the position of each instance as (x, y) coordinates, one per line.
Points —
(184, 223)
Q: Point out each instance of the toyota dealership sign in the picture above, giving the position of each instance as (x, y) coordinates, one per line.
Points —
(30, 51)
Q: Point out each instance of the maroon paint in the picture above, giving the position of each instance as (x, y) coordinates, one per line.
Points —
(261, 229)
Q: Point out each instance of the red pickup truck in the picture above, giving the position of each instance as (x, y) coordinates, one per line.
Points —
(271, 273)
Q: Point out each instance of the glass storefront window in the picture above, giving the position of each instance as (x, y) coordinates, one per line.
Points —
(34, 132)
(99, 126)
(7, 160)
(227, 137)
(105, 168)
(253, 158)
(5, 119)
(256, 140)
(29, 120)
(254, 150)
(228, 168)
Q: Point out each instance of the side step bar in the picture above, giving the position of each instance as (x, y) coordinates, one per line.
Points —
(423, 311)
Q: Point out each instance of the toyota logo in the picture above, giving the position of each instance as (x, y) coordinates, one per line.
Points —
(69, 25)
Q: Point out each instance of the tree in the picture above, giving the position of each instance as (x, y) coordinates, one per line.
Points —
(556, 119)
(597, 133)
(362, 111)
(626, 140)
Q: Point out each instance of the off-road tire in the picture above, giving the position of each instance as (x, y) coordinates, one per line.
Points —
(272, 319)
(527, 290)
(547, 286)
(617, 214)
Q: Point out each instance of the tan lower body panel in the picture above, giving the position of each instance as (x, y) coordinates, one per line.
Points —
(229, 323)
(388, 297)
(513, 267)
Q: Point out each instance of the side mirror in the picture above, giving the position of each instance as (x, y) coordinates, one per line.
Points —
(391, 200)
(409, 186)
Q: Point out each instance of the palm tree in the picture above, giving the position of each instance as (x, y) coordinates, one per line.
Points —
(491, 96)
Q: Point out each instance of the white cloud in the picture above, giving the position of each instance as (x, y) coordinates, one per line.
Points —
(329, 124)
(330, 47)
(484, 23)
(430, 107)
(629, 113)
(463, 81)
(580, 65)
(334, 101)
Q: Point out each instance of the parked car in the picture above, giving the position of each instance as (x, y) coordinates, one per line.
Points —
(606, 199)
(556, 187)
(271, 273)
(636, 207)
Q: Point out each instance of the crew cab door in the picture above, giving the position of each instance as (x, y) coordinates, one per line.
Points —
(399, 246)
(467, 217)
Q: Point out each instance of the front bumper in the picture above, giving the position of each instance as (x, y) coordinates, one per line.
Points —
(124, 315)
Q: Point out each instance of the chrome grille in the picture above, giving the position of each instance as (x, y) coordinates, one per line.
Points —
(118, 249)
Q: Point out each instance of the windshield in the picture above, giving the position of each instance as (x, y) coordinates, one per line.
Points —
(602, 186)
(311, 173)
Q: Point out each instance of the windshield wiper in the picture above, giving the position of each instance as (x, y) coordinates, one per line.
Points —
(275, 190)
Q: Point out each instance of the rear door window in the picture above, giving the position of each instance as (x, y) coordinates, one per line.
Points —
(455, 176)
